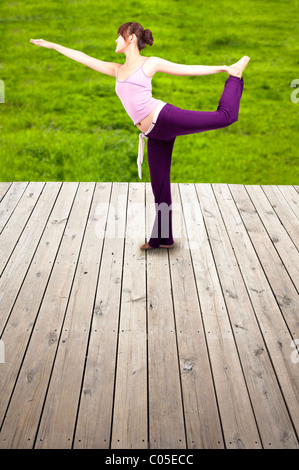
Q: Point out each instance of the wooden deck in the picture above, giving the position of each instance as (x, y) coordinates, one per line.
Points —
(106, 346)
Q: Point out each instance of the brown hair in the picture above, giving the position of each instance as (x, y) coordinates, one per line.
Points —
(144, 36)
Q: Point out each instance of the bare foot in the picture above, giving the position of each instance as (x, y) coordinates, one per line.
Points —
(146, 246)
(237, 68)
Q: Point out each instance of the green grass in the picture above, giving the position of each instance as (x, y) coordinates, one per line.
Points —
(62, 121)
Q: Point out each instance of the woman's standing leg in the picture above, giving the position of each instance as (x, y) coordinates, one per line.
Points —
(159, 161)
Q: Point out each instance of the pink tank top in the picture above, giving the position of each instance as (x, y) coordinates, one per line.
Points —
(135, 94)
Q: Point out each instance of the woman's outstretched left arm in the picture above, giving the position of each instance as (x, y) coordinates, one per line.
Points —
(164, 66)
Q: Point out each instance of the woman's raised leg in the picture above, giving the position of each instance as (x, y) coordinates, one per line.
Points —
(176, 121)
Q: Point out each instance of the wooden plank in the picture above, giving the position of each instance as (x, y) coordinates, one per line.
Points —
(166, 418)
(130, 422)
(93, 429)
(17, 221)
(22, 319)
(291, 196)
(280, 221)
(275, 429)
(59, 416)
(237, 417)
(9, 201)
(281, 284)
(296, 187)
(4, 187)
(276, 336)
(203, 426)
(283, 230)
(23, 415)
(15, 271)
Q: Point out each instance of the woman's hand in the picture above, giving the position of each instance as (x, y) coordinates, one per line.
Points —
(42, 43)
(234, 71)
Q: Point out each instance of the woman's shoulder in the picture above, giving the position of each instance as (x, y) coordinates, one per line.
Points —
(150, 66)
(153, 59)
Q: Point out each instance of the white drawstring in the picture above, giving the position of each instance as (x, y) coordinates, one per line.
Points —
(142, 136)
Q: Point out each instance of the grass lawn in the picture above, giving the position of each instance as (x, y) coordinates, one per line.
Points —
(62, 121)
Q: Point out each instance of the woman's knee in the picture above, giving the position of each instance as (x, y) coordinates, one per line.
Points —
(232, 119)
(228, 117)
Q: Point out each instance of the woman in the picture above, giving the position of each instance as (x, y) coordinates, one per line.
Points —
(160, 122)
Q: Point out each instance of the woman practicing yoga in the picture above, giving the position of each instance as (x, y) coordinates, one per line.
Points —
(160, 122)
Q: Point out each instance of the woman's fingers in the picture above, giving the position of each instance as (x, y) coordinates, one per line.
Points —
(234, 72)
(36, 41)
(42, 42)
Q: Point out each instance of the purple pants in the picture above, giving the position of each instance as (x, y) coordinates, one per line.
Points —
(172, 122)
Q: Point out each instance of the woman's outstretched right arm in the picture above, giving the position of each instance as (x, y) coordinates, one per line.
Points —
(108, 68)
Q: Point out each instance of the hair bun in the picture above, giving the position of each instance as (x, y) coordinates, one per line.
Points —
(148, 37)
